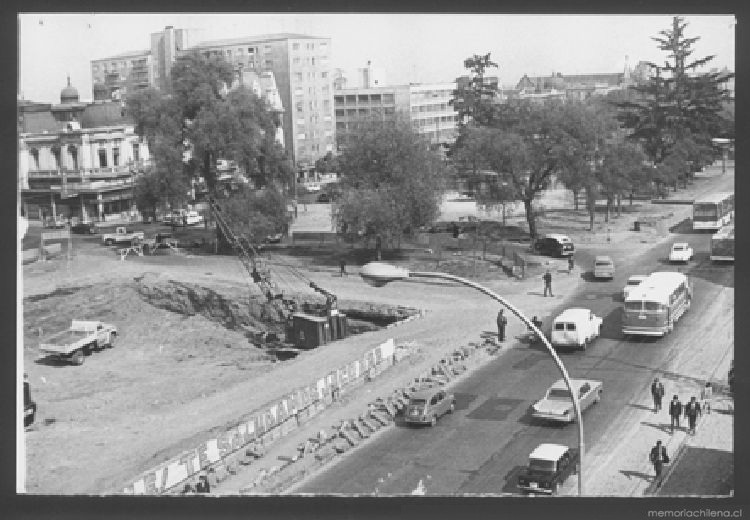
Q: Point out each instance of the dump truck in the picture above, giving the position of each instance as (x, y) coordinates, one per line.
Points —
(121, 235)
(82, 338)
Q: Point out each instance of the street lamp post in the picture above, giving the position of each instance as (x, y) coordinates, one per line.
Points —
(378, 274)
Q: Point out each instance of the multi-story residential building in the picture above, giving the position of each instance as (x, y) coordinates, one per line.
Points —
(301, 67)
(426, 105)
(116, 73)
(77, 159)
(575, 86)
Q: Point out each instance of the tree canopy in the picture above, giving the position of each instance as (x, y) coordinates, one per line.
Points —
(391, 181)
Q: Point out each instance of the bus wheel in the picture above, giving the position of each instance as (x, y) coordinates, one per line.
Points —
(77, 357)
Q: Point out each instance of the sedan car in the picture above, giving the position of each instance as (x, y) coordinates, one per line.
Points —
(84, 228)
(633, 281)
(680, 252)
(557, 404)
(549, 466)
(427, 405)
(604, 267)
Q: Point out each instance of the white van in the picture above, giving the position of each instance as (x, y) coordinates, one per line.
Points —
(575, 328)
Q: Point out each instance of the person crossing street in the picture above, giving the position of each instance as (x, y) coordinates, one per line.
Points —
(675, 411)
(658, 458)
(547, 283)
(692, 411)
(571, 264)
(657, 392)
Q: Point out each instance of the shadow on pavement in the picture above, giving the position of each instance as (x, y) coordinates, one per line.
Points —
(641, 407)
(663, 427)
(637, 474)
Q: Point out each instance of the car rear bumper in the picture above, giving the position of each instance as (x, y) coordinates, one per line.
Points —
(641, 331)
(552, 417)
(421, 419)
(530, 489)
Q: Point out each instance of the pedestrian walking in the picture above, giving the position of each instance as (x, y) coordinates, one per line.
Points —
(657, 392)
(692, 411)
(547, 283)
(571, 264)
(203, 486)
(502, 321)
(29, 406)
(342, 267)
(675, 411)
(658, 458)
(707, 394)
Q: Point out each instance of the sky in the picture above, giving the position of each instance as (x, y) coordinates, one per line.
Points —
(411, 48)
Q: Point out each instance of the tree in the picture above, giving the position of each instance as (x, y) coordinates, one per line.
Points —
(255, 214)
(676, 103)
(621, 171)
(474, 101)
(204, 121)
(327, 164)
(388, 167)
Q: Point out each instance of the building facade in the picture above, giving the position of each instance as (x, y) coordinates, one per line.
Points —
(426, 105)
(111, 77)
(304, 78)
(77, 159)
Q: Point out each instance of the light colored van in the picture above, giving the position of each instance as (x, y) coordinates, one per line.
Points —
(604, 267)
(575, 328)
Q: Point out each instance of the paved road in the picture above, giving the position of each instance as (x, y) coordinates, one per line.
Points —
(481, 447)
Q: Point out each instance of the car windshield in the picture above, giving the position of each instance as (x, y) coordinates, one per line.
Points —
(652, 306)
(559, 394)
(542, 465)
(418, 402)
(634, 282)
(678, 248)
(603, 263)
(634, 306)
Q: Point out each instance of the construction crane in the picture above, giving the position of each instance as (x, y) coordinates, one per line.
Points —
(251, 260)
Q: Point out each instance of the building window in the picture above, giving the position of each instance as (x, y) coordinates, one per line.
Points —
(229, 53)
(35, 155)
(351, 112)
(116, 156)
(326, 105)
(301, 135)
(298, 76)
(350, 98)
(251, 50)
(387, 98)
(340, 127)
(267, 48)
(268, 64)
(339, 100)
(295, 46)
(340, 112)
(136, 152)
(390, 110)
(323, 75)
(299, 106)
(240, 50)
(295, 61)
(312, 60)
(73, 151)
(102, 158)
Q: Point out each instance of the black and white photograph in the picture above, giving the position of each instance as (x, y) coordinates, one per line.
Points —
(375, 255)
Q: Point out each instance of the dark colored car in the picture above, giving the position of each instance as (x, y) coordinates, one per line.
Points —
(549, 466)
(84, 228)
(324, 197)
(555, 245)
(427, 405)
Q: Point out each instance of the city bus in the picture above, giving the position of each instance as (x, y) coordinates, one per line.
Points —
(722, 245)
(713, 211)
(653, 307)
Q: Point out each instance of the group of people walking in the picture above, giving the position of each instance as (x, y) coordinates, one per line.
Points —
(658, 455)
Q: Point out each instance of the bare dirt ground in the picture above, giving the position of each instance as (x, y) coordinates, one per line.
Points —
(176, 375)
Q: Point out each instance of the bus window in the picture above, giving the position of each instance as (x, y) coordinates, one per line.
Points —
(559, 326)
(570, 326)
(652, 306)
(632, 306)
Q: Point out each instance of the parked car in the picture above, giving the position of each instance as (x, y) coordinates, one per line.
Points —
(555, 245)
(427, 405)
(193, 218)
(274, 238)
(604, 267)
(633, 281)
(549, 466)
(84, 228)
(324, 197)
(575, 328)
(57, 222)
(557, 404)
(681, 252)
(121, 235)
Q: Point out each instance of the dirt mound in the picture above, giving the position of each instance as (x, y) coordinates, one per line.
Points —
(231, 308)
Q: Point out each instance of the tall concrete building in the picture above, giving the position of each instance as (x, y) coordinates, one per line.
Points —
(300, 65)
(426, 105)
(304, 78)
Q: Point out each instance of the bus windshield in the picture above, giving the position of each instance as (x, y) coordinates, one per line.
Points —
(705, 210)
(633, 306)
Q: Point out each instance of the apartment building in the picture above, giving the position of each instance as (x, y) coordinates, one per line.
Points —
(301, 67)
(77, 159)
(426, 105)
(112, 76)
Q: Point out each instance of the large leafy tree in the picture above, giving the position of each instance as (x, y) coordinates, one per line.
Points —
(391, 180)
(676, 103)
(474, 101)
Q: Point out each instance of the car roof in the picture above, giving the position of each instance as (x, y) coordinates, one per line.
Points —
(425, 393)
(640, 277)
(575, 383)
(602, 258)
(573, 314)
(548, 451)
(558, 236)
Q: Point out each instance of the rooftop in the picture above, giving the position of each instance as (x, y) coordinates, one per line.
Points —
(125, 55)
(255, 39)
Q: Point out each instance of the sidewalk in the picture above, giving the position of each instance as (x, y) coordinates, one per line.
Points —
(619, 466)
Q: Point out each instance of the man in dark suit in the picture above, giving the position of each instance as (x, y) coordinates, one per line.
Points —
(658, 458)
(657, 392)
(692, 411)
(502, 321)
(675, 411)
(29, 406)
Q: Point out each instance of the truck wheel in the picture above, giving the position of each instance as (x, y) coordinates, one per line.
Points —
(77, 357)
(112, 338)
(585, 344)
(598, 397)
(109, 242)
(555, 488)
(433, 420)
